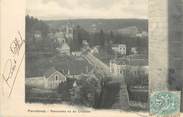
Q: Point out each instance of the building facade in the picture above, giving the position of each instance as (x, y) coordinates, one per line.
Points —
(134, 50)
(60, 37)
(119, 48)
(64, 49)
(50, 80)
(76, 53)
(118, 67)
(135, 65)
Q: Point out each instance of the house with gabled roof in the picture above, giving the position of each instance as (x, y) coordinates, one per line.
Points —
(53, 78)
(50, 80)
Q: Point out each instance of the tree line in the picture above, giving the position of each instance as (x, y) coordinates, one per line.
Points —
(101, 38)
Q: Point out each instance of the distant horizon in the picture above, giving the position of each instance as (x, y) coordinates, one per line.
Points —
(94, 18)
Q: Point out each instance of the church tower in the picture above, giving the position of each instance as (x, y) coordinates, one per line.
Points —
(69, 31)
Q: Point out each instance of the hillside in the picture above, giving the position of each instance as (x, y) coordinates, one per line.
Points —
(98, 24)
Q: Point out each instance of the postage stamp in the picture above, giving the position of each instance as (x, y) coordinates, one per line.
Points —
(165, 104)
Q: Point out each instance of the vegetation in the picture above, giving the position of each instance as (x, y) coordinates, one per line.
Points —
(82, 91)
(36, 45)
(91, 90)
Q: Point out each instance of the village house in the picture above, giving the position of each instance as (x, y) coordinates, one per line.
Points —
(64, 49)
(85, 45)
(134, 50)
(142, 34)
(136, 65)
(119, 48)
(95, 50)
(118, 67)
(76, 73)
(73, 68)
(60, 37)
(37, 35)
(50, 80)
(62, 42)
(76, 53)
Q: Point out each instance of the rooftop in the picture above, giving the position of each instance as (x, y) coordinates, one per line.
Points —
(117, 45)
(65, 46)
(50, 72)
(133, 60)
(39, 66)
(72, 65)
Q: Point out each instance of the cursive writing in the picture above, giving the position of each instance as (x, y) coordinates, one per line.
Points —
(12, 65)
(16, 45)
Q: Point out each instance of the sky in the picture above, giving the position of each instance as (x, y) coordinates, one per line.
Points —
(84, 9)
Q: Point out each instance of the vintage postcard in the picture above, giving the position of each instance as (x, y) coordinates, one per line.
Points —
(165, 57)
(96, 60)
(91, 58)
(74, 57)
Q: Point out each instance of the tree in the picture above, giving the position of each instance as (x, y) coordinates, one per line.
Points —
(80, 34)
(44, 44)
(66, 88)
(102, 37)
(88, 87)
(33, 24)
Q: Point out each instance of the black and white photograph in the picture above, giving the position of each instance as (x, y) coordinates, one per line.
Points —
(120, 58)
(87, 53)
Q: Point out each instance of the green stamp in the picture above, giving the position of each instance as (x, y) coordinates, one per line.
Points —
(165, 103)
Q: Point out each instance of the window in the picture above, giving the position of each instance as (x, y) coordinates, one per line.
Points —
(56, 77)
